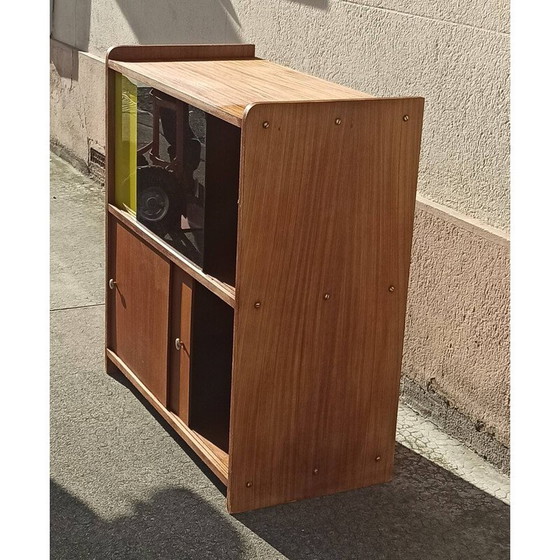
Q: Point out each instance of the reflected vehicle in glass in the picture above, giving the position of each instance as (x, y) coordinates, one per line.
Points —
(170, 171)
(177, 173)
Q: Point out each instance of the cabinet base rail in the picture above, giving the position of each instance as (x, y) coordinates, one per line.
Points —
(216, 459)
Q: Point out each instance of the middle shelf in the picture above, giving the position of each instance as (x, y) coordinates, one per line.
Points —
(225, 292)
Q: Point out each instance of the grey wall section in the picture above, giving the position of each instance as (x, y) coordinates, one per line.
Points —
(77, 103)
(456, 357)
(453, 53)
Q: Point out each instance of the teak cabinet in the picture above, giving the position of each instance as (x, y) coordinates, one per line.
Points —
(259, 227)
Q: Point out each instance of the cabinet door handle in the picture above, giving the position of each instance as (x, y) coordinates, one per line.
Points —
(178, 344)
(112, 284)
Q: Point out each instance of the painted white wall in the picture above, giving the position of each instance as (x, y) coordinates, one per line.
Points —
(455, 53)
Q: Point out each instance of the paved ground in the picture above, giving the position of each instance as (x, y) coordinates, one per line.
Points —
(422, 436)
(123, 486)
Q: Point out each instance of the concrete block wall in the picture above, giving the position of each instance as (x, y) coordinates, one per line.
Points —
(456, 350)
(77, 103)
(453, 53)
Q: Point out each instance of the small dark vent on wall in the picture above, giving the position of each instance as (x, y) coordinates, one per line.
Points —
(96, 165)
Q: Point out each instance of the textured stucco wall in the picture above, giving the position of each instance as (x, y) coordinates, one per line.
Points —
(456, 351)
(453, 53)
(77, 102)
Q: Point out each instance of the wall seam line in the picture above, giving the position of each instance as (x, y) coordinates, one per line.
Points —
(455, 23)
(463, 221)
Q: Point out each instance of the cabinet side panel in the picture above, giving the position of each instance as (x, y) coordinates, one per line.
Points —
(109, 199)
(326, 211)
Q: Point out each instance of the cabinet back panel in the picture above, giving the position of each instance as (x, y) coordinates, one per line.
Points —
(222, 191)
(325, 228)
(210, 378)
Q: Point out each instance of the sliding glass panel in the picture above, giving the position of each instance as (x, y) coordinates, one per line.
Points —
(125, 143)
(177, 172)
(170, 171)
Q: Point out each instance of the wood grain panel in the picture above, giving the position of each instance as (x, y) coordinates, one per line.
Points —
(140, 305)
(147, 53)
(224, 88)
(325, 229)
(109, 199)
(180, 359)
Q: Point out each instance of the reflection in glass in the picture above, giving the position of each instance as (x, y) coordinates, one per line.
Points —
(170, 170)
(126, 111)
(177, 172)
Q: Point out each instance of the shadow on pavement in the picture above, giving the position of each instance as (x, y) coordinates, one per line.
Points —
(174, 524)
(425, 513)
(120, 378)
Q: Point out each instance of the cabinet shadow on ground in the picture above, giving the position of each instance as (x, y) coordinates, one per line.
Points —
(220, 486)
(425, 513)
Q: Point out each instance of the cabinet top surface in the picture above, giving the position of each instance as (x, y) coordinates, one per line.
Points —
(226, 87)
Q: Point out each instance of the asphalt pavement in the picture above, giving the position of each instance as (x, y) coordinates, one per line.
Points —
(124, 486)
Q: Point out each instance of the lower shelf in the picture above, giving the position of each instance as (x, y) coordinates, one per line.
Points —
(216, 459)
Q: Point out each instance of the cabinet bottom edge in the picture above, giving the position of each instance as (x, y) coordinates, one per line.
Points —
(216, 460)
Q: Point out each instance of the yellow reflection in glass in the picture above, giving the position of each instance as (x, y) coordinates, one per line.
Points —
(126, 118)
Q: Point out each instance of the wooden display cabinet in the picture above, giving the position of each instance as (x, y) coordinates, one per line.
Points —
(259, 227)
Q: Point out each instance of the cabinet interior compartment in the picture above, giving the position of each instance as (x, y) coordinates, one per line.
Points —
(210, 367)
(223, 141)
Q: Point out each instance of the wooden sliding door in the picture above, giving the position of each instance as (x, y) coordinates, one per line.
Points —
(139, 308)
